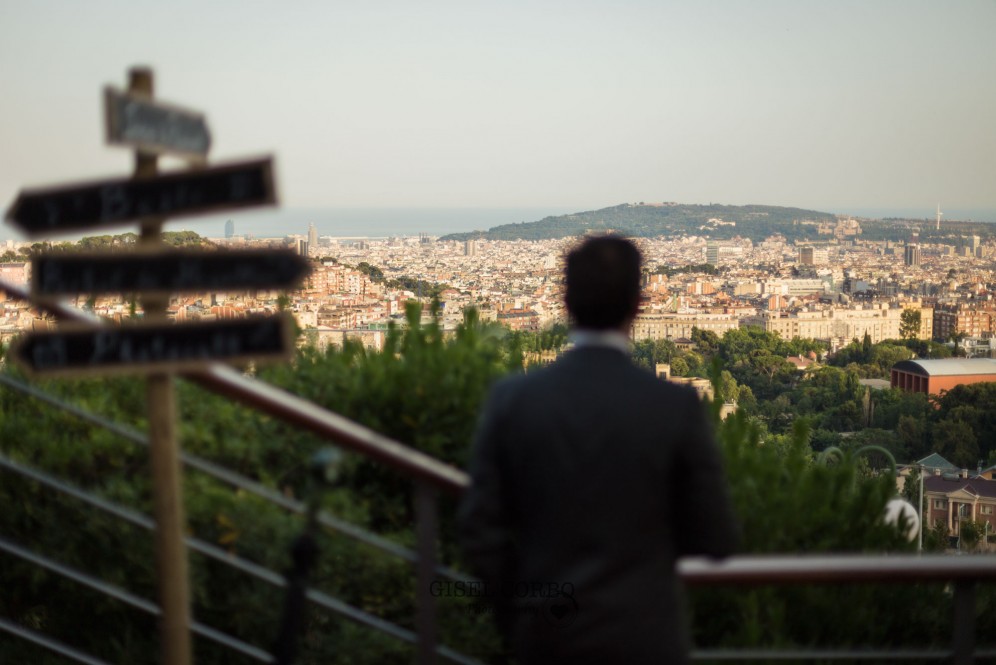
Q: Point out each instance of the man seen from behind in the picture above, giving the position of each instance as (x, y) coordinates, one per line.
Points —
(589, 479)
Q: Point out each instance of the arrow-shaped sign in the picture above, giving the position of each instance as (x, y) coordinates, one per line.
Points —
(112, 202)
(144, 347)
(165, 272)
(154, 126)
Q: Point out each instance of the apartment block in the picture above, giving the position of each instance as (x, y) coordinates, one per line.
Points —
(675, 325)
(972, 320)
(840, 325)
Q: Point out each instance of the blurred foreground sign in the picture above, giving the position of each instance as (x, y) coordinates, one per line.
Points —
(138, 348)
(165, 272)
(155, 127)
(111, 202)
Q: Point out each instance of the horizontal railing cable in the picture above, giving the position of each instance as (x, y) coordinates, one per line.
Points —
(129, 599)
(232, 478)
(234, 561)
(48, 643)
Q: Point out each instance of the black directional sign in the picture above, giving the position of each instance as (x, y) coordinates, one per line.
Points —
(165, 272)
(153, 126)
(142, 347)
(112, 202)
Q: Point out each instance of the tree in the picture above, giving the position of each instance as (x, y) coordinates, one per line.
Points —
(926, 348)
(958, 337)
(955, 440)
(705, 341)
(909, 324)
(183, 239)
(679, 367)
(911, 431)
(911, 489)
(935, 537)
(971, 533)
(649, 352)
(371, 271)
(975, 405)
(885, 355)
(871, 360)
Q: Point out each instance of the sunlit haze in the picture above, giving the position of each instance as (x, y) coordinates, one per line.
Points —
(848, 107)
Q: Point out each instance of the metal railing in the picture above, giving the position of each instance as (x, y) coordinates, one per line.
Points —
(203, 548)
(429, 476)
(432, 478)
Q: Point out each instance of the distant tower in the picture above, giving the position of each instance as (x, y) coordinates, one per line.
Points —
(469, 247)
(712, 253)
(312, 237)
(911, 253)
(229, 229)
(302, 247)
(939, 214)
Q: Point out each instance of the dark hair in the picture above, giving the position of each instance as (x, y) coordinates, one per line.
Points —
(603, 282)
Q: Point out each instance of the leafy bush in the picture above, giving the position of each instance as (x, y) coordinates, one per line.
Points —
(789, 502)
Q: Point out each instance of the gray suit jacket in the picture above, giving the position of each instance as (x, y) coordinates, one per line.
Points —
(589, 479)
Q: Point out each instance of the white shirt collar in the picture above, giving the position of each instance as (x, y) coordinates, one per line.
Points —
(612, 339)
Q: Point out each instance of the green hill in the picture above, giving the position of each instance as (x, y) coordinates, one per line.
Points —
(722, 222)
(649, 220)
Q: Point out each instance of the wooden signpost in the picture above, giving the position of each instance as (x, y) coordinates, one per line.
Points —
(144, 347)
(181, 271)
(136, 120)
(112, 202)
(156, 347)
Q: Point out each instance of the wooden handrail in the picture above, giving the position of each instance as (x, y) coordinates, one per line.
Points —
(833, 568)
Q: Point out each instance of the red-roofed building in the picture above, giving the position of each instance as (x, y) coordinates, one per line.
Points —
(934, 376)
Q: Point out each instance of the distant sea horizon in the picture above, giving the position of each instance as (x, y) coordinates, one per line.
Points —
(335, 222)
(370, 222)
(395, 222)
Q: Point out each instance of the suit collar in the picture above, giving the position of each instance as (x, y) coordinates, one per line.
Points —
(612, 339)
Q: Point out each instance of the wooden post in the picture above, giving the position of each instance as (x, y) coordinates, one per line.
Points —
(167, 477)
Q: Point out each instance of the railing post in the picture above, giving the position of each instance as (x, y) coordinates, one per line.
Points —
(426, 532)
(963, 630)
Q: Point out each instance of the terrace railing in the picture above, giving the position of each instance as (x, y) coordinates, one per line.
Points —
(432, 479)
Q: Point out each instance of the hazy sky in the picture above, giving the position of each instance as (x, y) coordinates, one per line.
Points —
(827, 105)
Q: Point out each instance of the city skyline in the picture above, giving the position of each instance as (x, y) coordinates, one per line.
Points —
(847, 108)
